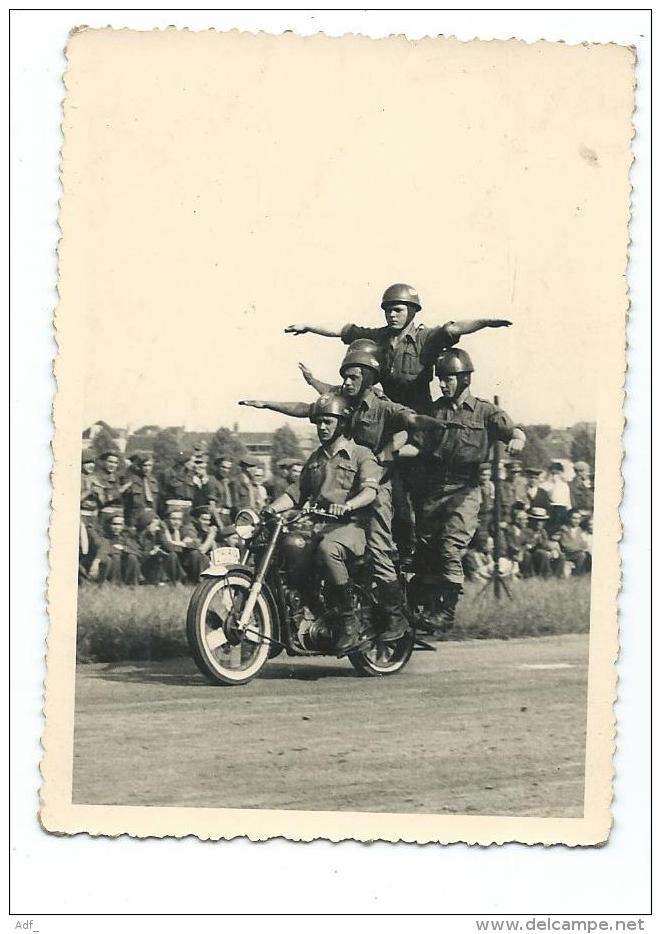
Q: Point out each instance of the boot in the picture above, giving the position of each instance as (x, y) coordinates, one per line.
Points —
(339, 598)
(389, 595)
(441, 620)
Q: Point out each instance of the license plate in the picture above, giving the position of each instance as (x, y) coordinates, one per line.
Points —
(225, 556)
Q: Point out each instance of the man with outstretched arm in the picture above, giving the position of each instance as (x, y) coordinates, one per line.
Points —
(341, 478)
(408, 349)
(379, 425)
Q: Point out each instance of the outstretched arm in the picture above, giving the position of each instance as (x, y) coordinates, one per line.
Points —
(295, 409)
(313, 329)
(457, 329)
(311, 380)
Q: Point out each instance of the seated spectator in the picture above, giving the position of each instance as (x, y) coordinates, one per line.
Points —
(559, 495)
(87, 468)
(519, 539)
(546, 556)
(92, 546)
(180, 539)
(120, 564)
(582, 494)
(478, 561)
(207, 532)
(536, 496)
(586, 525)
(158, 563)
(574, 543)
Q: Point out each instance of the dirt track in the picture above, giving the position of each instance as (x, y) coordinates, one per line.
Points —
(477, 727)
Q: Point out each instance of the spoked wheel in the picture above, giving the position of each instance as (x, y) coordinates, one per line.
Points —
(221, 651)
(384, 658)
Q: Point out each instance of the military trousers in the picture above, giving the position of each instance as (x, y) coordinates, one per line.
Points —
(447, 522)
(335, 550)
(380, 542)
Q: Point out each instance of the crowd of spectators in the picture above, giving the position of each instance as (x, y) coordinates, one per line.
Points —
(545, 523)
(140, 528)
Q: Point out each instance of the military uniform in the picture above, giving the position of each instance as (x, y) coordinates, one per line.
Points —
(220, 496)
(372, 424)
(407, 359)
(450, 460)
(142, 493)
(106, 488)
(336, 474)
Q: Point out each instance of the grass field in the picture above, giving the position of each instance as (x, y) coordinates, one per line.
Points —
(148, 623)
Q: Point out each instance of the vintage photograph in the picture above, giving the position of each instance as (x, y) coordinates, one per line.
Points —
(334, 542)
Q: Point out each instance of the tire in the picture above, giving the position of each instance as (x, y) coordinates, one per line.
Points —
(383, 658)
(228, 662)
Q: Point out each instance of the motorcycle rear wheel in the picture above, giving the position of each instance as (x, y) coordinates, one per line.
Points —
(222, 654)
(384, 658)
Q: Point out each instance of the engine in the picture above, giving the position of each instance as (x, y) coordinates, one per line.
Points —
(311, 631)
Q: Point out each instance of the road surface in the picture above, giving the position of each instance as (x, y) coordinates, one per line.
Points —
(489, 727)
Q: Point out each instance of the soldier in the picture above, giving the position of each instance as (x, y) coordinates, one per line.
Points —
(142, 492)
(536, 497)
(181, 541)
(219, 491)
(122, 564)
(451, 460)
(284, 477)
(342, 478)
(379, 425)
(207, 532)
(106, 485)
(408, 349)
(92, 546)
(87, 467)
(247, 491)
(156, 561)
(582, 494)
(179, 483)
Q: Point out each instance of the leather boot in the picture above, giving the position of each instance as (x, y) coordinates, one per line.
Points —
(442, 619)
(339, 598)
(395, 624)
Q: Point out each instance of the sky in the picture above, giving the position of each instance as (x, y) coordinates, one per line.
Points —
(218, 188)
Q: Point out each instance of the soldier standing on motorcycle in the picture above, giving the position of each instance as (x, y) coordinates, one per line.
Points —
(341, 478)
(373, 422)
(450, 461)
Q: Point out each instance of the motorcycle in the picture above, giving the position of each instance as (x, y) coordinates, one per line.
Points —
(254, 602)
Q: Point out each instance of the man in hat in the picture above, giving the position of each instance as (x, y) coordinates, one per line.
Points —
(546, 558)
(219, 491)
(106, 484)
(536, 496)
(143, 491)
(582, 493)
(408, 348)
(92, 546)
(450, 461)
(122, 565)
(246, 492)
(341, 478)
(512, 488)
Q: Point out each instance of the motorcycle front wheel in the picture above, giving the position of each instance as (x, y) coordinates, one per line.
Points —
(222, 652)
(384, 658)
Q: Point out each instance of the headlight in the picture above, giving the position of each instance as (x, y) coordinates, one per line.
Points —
(245, 522)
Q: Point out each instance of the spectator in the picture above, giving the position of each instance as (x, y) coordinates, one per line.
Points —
(258, 476)
(106, 485)
(512, 488)
(92, 546)
(519, 539)
(142, 491)
(487, 497)
(219, 491)
(87, 468)
(582, 494)
(156, 561)
(179, 483)
(120, 565)
(546, 557)
(586, 525)
(207, 532)
(575, 543)
(536, 496)
(479, 562)
(246, 492)
(181, 540)
(559, 495)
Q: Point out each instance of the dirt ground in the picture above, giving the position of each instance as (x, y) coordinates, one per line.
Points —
(482, 727)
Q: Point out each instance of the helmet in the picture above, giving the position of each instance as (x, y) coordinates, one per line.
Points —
(331, 403)
(453, 362)
(362, 352)
(400, 292)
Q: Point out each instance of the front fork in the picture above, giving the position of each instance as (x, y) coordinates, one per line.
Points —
(256, 586)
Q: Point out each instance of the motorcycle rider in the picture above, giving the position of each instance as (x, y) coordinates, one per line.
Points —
(450, 461)
(380, 425)
(341, 478)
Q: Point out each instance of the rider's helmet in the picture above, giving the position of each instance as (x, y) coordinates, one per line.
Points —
(362, 352)
(331, 403)
(453, 363)
(400, 293)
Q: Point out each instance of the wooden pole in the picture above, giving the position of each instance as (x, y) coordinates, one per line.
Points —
(496, 514)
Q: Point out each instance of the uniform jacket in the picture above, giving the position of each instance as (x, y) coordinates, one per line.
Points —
(336, 474)
(408, 359)
(582, 495)
(245, 493)
(106, 490)
(141, 494)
